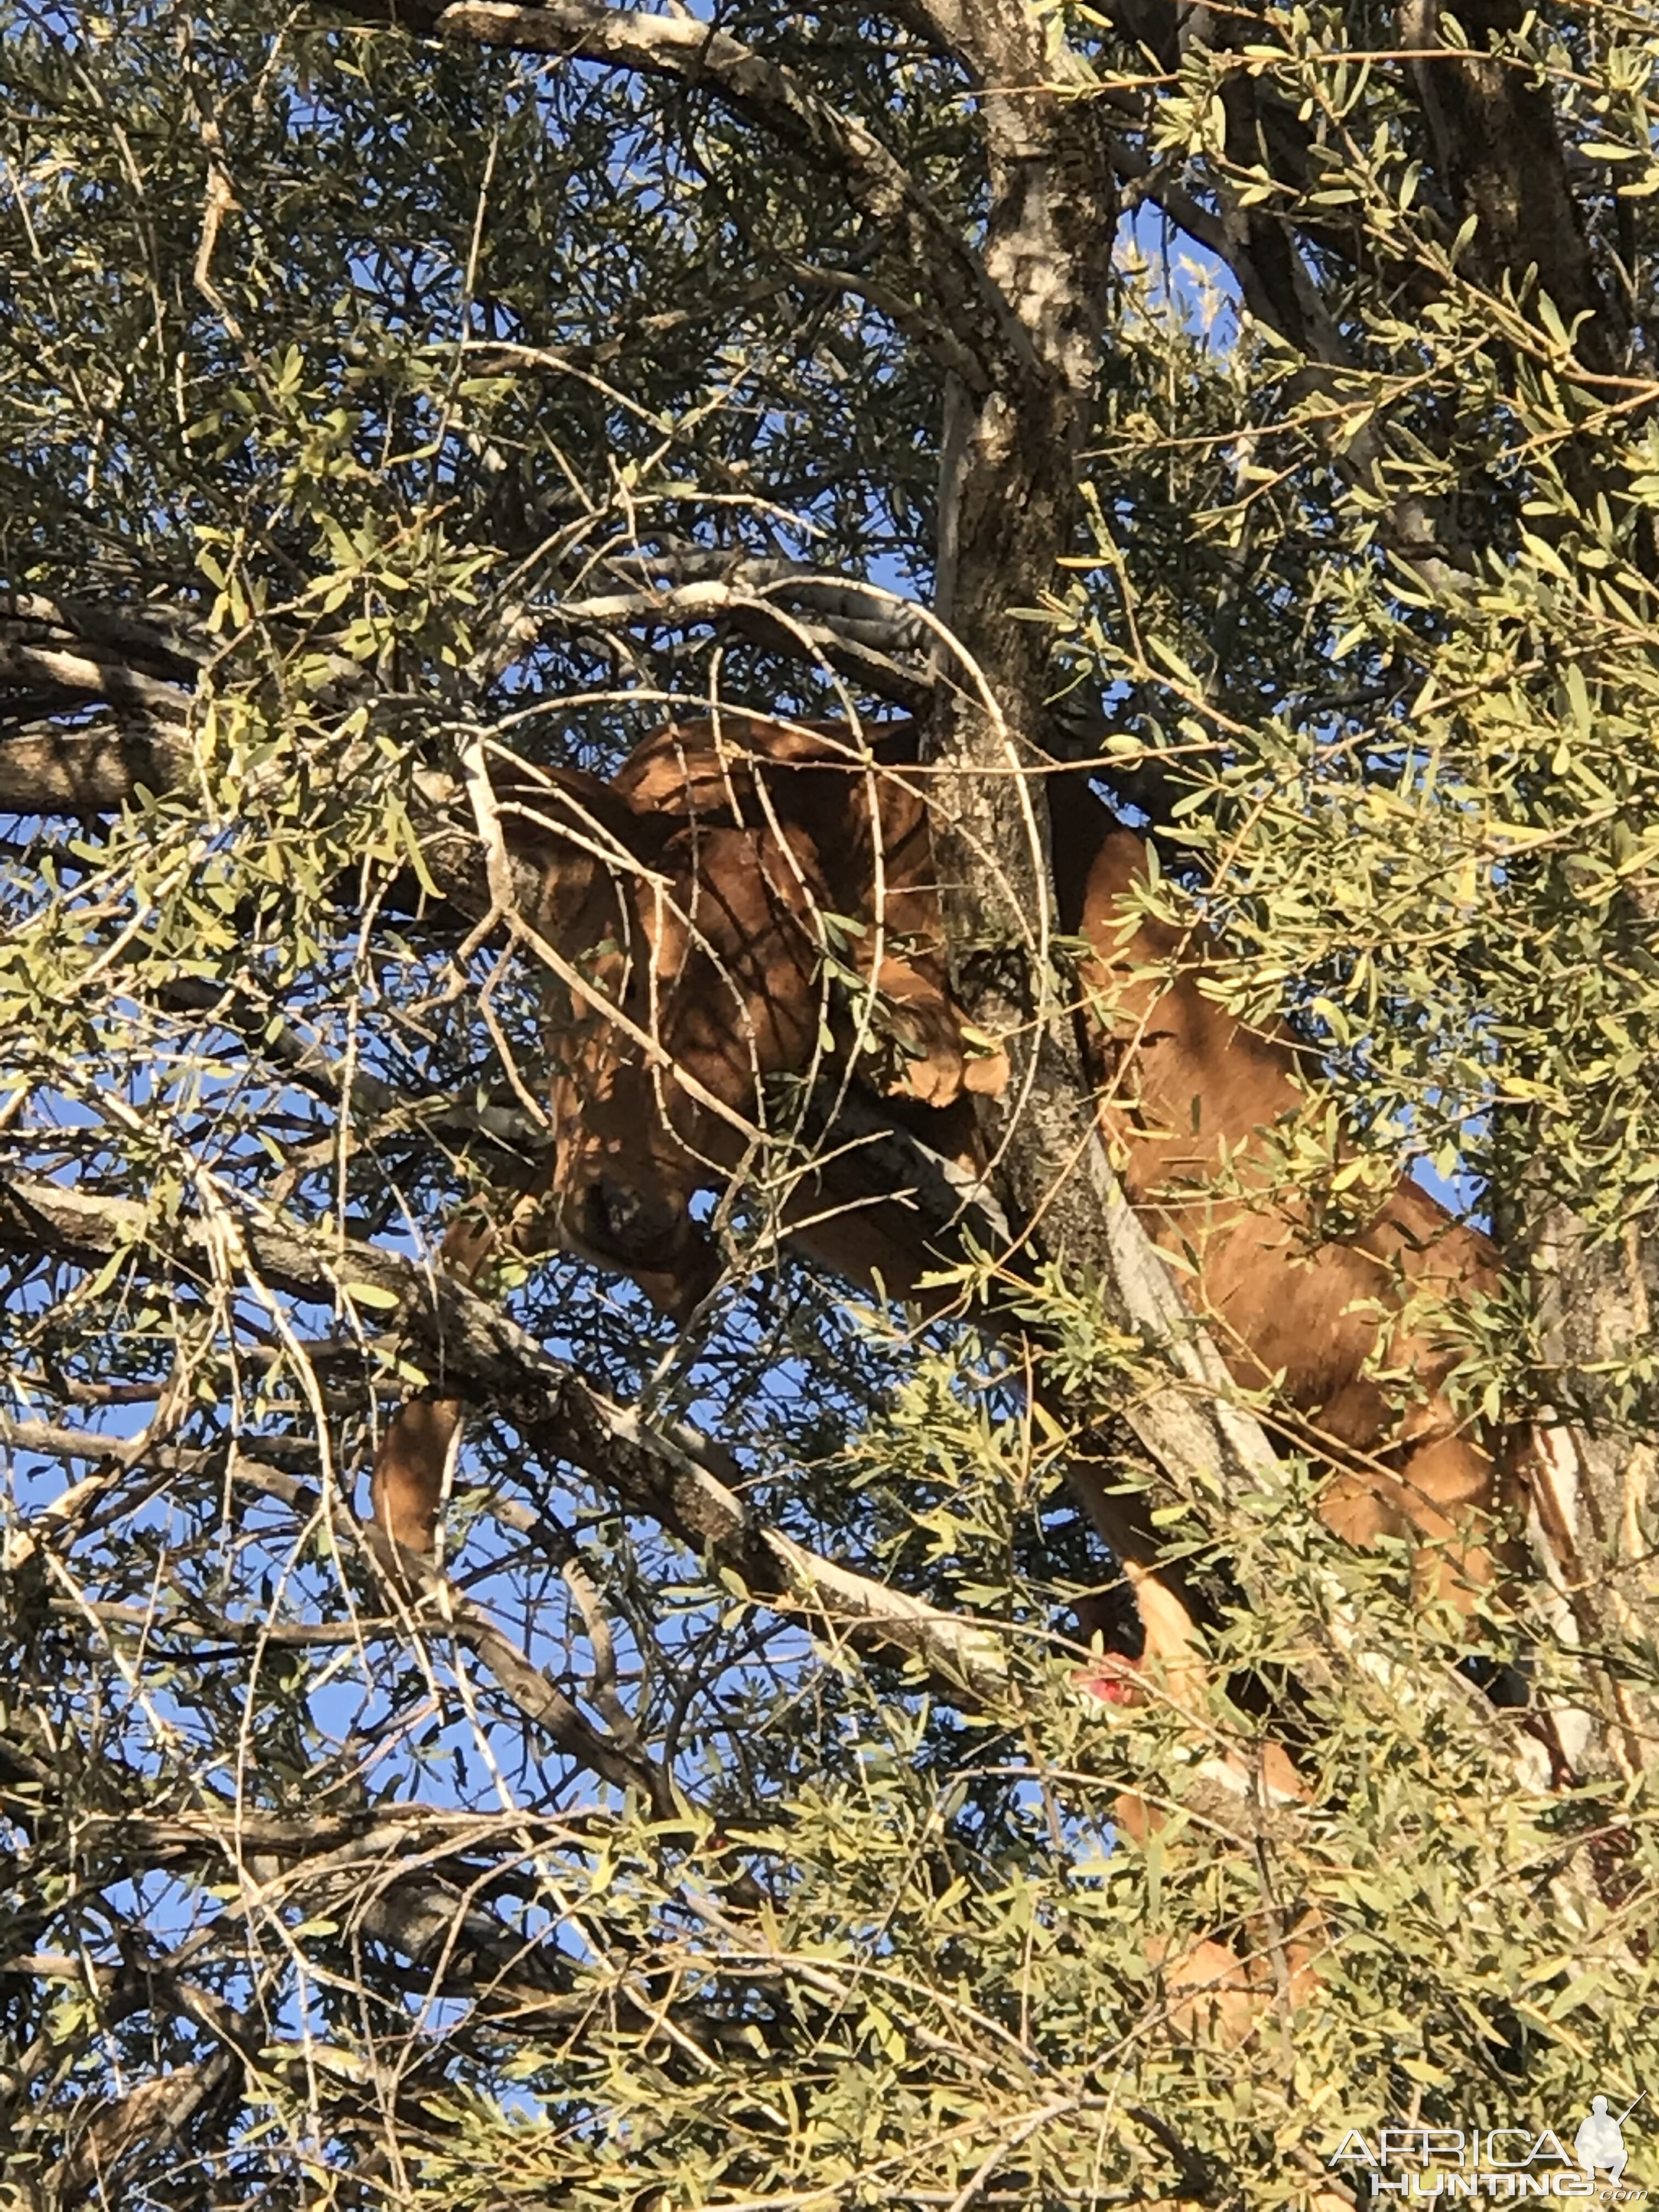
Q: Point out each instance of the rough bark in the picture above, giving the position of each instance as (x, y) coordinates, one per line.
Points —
(1012, 509)
(1598, 1489)
(89, 772)
(1500, 157)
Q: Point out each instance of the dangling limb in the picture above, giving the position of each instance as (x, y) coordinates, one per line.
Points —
(406, 1487)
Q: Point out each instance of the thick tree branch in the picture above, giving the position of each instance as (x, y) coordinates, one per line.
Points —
(858, 611)
(160, 641)
(856, 646)
(1499, 151)
(91, 771)
(58, 669)
(669, 1474)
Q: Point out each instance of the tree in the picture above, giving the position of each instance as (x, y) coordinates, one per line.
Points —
(1257, 402)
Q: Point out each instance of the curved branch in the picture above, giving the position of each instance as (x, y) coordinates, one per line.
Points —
(668, 1474)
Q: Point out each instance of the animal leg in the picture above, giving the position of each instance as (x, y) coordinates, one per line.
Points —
(939, 1062)
(1441, 1495)
(406, 1486)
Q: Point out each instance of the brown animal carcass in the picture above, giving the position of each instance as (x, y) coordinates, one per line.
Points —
(750, 900)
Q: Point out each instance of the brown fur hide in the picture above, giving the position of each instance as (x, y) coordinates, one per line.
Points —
(752, 902)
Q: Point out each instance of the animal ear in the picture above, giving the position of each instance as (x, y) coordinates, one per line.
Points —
(709, 768)
(544, 810)
(679, 770)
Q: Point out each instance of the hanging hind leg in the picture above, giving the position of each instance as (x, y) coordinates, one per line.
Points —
(406, 1487)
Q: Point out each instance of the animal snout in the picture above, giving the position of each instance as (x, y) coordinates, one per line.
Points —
(648, 1234)
(626, 1225)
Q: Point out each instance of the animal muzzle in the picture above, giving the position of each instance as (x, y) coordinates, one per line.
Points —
(623, 1226)
(646, 1234)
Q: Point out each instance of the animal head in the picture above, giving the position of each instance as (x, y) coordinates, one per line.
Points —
(709, 922)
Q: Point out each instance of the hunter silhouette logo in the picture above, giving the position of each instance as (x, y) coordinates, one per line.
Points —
(1600, 2140)
(1495, 2162)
